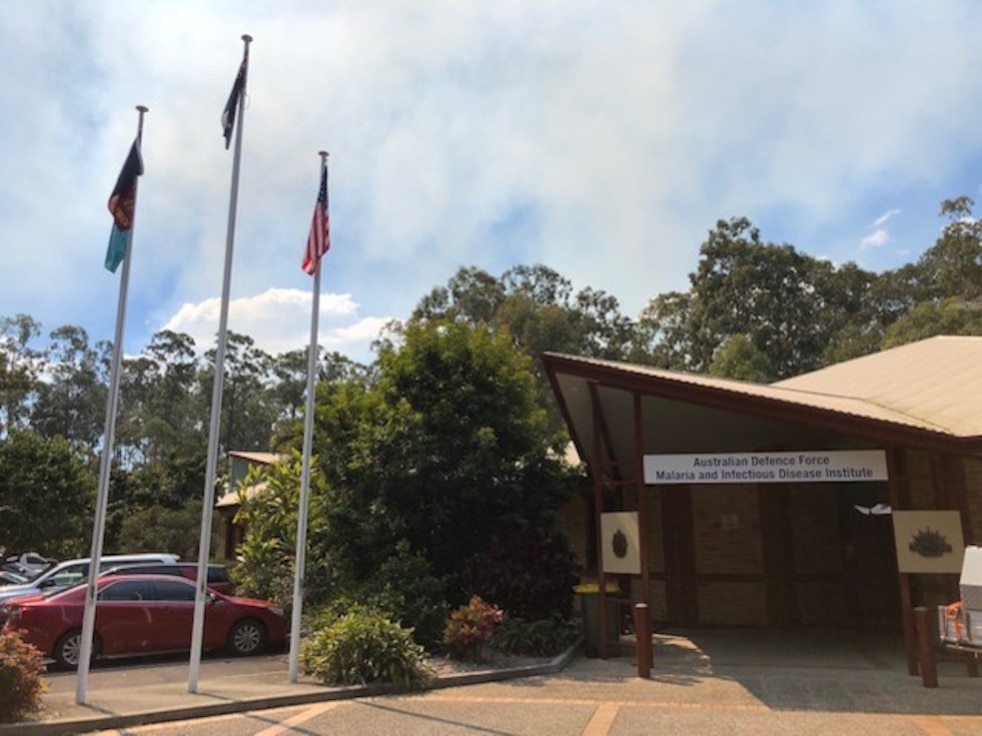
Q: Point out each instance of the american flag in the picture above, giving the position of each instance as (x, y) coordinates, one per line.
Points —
(319, 240)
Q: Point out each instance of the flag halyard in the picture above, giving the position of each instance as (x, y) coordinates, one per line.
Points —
(234, 100)
(319, 240)
(122, 206)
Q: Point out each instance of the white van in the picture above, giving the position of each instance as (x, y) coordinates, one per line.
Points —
(71, 572)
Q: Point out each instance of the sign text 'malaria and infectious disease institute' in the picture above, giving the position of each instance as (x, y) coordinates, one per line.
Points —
(834, 466)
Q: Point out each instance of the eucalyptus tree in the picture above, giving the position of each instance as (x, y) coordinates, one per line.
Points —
(46, 494)
(20, 367)
(788, 304)
(248, 411)
(952, 267)
(72, 402)
(941, 293)
(537, 307)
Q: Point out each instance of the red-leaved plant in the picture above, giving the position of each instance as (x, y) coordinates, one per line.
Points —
(470, 628)
(21, 667)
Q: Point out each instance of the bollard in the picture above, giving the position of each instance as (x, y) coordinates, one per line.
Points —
(642, 631)
(925, 647)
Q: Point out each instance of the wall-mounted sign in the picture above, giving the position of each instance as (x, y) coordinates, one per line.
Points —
(619, 536)
(928, 541)
(833, 466)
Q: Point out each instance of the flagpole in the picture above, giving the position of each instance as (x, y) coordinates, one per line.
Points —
(208, 503)
(105, 467)
(308, 436)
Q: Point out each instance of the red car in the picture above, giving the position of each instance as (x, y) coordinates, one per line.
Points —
(143, 614)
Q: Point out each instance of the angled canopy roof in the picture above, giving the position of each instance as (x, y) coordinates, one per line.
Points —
(926, 394)
(257, 458)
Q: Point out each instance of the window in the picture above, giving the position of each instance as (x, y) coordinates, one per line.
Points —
(217, 574)
(126, 590)
(173, 590)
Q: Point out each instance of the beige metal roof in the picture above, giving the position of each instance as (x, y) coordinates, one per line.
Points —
(926, 394)
(937, 381)
(232, 498)
(261, 458)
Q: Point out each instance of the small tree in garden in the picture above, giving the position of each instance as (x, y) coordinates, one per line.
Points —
(470, 628)
(21, 667)
(530, 573)
(267, 554)
(361, 647)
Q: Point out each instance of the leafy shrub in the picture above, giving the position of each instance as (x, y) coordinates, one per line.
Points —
(363, 647)
(544, 638)
(265, 570)
(470, 628)
(316, 619)
(267, 555)
(404, 589)
(21, 667)
(407, 589)
(159, 527)
(529, 573)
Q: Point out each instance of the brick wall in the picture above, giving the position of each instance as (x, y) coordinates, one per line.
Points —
(726, 525)
(727, 535)
(817, 554)
(973, 487)
(573, 520)
(656, 550)
(732, 604)
(815, 529)
(920, 482)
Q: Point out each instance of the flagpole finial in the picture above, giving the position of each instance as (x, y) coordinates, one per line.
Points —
(323, 154)
(142, 108)
(247, 38)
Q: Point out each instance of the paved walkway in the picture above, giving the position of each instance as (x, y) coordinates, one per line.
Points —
(713, 681)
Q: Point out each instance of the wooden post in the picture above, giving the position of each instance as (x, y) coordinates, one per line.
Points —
(642, 631)
(925, 647)
(897, 475)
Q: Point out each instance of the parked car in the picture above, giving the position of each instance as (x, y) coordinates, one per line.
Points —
(71, 572)
(218, 578)
(12, 578)
(143, 614)
(28, 564)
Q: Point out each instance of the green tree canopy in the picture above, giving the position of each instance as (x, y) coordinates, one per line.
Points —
(787, 304)
(448, 446)
(46, 495)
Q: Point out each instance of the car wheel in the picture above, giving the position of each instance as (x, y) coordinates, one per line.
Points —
(246, 637)
(68, 650)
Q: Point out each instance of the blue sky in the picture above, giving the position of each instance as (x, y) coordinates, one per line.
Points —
(601, 138)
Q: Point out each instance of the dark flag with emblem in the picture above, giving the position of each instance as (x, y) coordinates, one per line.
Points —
(122, 206)
(234, 100)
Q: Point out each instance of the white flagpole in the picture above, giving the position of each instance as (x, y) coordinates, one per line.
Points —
(105, 467)
(308, 436)
(204, 548)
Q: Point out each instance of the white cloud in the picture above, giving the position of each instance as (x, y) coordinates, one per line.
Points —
(885, 217)
(879, 236)
(875, 239)
(278, 320)
(601, 139)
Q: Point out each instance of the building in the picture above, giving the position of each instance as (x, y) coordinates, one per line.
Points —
(722, 542)
(231, 534)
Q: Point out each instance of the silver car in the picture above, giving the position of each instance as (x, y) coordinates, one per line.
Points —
(72, 572)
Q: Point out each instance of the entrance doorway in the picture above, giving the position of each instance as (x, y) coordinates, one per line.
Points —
(869, 562)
